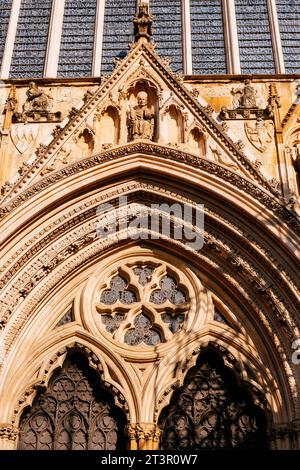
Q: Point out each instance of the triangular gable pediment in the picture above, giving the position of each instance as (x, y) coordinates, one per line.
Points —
(81, 134)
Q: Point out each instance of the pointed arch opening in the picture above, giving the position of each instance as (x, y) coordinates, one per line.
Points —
(74, 413)
(212, 411)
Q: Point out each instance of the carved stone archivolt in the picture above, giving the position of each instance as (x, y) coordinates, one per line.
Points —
(235, 179)
(8, 431)
(83, 243)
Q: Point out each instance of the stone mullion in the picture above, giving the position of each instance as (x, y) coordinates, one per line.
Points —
(54, 39)
(187, 37)
(275, 35)
(98, 38)
(10, 39)
(231, 37)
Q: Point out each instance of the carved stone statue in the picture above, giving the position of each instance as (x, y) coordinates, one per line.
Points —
(141, 119)
(246, 97)
(297, 158)
(37, 107)
(37, 100)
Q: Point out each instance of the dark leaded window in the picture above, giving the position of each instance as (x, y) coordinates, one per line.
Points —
(208, 47)
(167, 30)
(254, 36)
(77, 42)
(29, 53)
(74, 413)
(289, 25)
(5, 7)
(211, 411)
(118, 31)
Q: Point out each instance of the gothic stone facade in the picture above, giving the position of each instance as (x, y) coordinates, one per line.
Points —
(149, 342)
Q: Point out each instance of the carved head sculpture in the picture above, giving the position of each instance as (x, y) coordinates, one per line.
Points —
(142, 98)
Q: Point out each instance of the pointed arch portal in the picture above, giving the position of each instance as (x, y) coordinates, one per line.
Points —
(212, 411)
(73, 413)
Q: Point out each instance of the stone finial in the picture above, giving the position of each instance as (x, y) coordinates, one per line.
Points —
(142, 22)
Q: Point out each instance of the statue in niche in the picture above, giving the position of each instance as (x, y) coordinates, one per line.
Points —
(37, 100)
(246, 97)
(297, 158)
(141, 119)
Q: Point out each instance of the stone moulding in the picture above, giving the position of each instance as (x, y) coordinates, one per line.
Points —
(90, 253)
(86, 210)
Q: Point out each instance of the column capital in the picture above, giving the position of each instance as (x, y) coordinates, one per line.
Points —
(8, 431)
(142, 431)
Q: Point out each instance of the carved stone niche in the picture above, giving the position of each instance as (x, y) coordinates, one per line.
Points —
(106, 125)
(173, 122)
(197, 139)
(142, 111)
(85, 141)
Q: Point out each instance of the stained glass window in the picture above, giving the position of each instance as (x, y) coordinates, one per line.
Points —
(117, 31)
(255, 43)
(77, 42)
(288, 12)
(167, 30)
(29, 53)
(208, 48)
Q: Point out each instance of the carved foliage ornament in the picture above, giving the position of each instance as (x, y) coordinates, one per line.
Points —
(143, 304)
(74, 413)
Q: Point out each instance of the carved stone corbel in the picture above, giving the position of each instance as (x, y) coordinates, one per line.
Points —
(37, 107)
(244, 105)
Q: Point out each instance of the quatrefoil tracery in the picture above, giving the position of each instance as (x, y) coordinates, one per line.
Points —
(143, 304)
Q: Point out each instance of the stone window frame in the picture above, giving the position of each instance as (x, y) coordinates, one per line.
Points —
(56, 25)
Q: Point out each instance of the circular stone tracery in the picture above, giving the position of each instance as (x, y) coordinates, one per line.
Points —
(143, 304)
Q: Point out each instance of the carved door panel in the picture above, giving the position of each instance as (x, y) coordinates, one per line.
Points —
(73, 414)
(210, 411)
